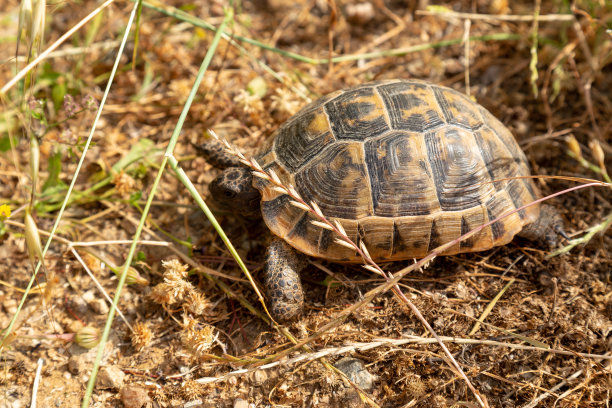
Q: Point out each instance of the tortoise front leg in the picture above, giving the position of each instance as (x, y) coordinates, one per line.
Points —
(282, 280)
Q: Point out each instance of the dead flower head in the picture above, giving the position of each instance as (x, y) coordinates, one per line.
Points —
(197, 341)
(247, 102)
(286, 102)
(124, 183)
(196, 303)
(171, 292)
(174, 270)
(174, 288)
(141, 336)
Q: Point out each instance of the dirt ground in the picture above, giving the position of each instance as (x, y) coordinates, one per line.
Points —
(193, 332)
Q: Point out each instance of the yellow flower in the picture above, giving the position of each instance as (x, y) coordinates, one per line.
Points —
(5, 211)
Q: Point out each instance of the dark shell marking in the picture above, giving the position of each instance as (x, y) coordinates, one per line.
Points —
(404, 165)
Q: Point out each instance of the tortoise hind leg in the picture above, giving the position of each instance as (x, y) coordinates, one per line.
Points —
(545, 229)
(282, 280)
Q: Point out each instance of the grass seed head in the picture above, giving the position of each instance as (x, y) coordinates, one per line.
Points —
(598, 153)
(573, 146)
(32, 238)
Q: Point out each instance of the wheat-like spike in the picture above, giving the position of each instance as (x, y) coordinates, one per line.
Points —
(343, 243)
(240, 155)
(261, 175)
(256, 165)
(227, 145)
(371, 269)
(293, 192)
(300, 205)
(364, 250)
(213, 134)
(274, 176)
(316, 209)
(340, 228)
(321, 224)
(245, 162)
(279, 189)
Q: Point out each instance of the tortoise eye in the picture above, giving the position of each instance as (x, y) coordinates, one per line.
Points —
(229, 194)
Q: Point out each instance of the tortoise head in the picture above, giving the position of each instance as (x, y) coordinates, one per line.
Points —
(546, 228)
(233, 191)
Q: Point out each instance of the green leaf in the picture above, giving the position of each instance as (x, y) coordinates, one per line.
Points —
(144, 147)
(140, 257)
(54, 169)
(330, 282)
(135, 196)
(5, 143)
(57, 94)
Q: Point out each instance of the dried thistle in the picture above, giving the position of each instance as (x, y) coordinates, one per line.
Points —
(415, 385)
(197, 341)
(171, 292)
(141, 336)
(124, 183)
(248, 102)
(196, 303)
(191, 389)
(174, 270)
(286, 102)
(162, 294)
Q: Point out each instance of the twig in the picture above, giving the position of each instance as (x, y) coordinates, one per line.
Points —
(99, 286)
(494, 17)
(387, 342)
(36, 382)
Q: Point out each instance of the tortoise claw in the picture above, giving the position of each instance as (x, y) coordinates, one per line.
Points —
(559, 230)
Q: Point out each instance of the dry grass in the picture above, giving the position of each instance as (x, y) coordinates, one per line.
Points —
(526, 330)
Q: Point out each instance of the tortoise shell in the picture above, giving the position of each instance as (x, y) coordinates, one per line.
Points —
(404, 166)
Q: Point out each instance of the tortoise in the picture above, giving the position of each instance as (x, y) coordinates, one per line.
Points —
(404, 165)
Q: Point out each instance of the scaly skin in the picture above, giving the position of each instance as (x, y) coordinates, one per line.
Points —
(282, 280)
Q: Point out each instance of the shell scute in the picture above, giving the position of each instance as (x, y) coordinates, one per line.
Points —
(301, 139)
(460, 173)
(357, 114)
(337, 181)
(458, 109)
(400, 179)
(411, 106)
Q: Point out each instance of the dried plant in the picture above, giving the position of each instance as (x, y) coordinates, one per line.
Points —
(141, 336)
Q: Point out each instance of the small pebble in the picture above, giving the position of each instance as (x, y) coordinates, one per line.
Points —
(134, 396)
(356, 372)
(240, 403)
(258, 377)
(359, 13)
(10, 306)
(95, 302)
(110, 377)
